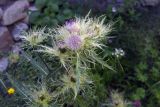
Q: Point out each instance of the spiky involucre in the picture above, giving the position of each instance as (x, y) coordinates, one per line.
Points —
(117, 100)
(69, 83)
(34, 37)
(88, 29)
(81, 36)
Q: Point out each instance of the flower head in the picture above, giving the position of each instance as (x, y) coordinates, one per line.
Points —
(72, 26)
(87, 31)
(42, 97)
(34, 37)
(73, 42)
(69, 82)
(38, 95)
(119, 52)
(78, 38)
(11, 91)
(137, 103)
(13, 57)
(117, 100)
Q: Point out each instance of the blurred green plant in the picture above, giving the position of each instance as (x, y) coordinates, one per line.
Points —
(51, 12)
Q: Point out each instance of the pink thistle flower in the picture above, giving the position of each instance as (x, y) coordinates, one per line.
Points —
(73, 42)
(71, 26)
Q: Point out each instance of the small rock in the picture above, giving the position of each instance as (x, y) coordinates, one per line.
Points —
(15, 12)
(1, 13)
(33, 8)
(22, 26)
(18, 29)
(31, 0)
(16, 49)
(150, 2)
(2, 2)
(3, 64)
(120, 2)
(26, 20)
(6, 40)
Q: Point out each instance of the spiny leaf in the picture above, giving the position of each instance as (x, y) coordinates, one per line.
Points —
(102, 62)
(35, 63)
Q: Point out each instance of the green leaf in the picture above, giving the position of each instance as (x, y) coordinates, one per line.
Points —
(34, 16)
(142, 77)
(40, 3)
(18, 87)
(139, 94)
(103, 63)
(78, 73)
(67, 12)
(35, 63)
(54, 7)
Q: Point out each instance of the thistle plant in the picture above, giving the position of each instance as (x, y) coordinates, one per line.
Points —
(77, 45)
